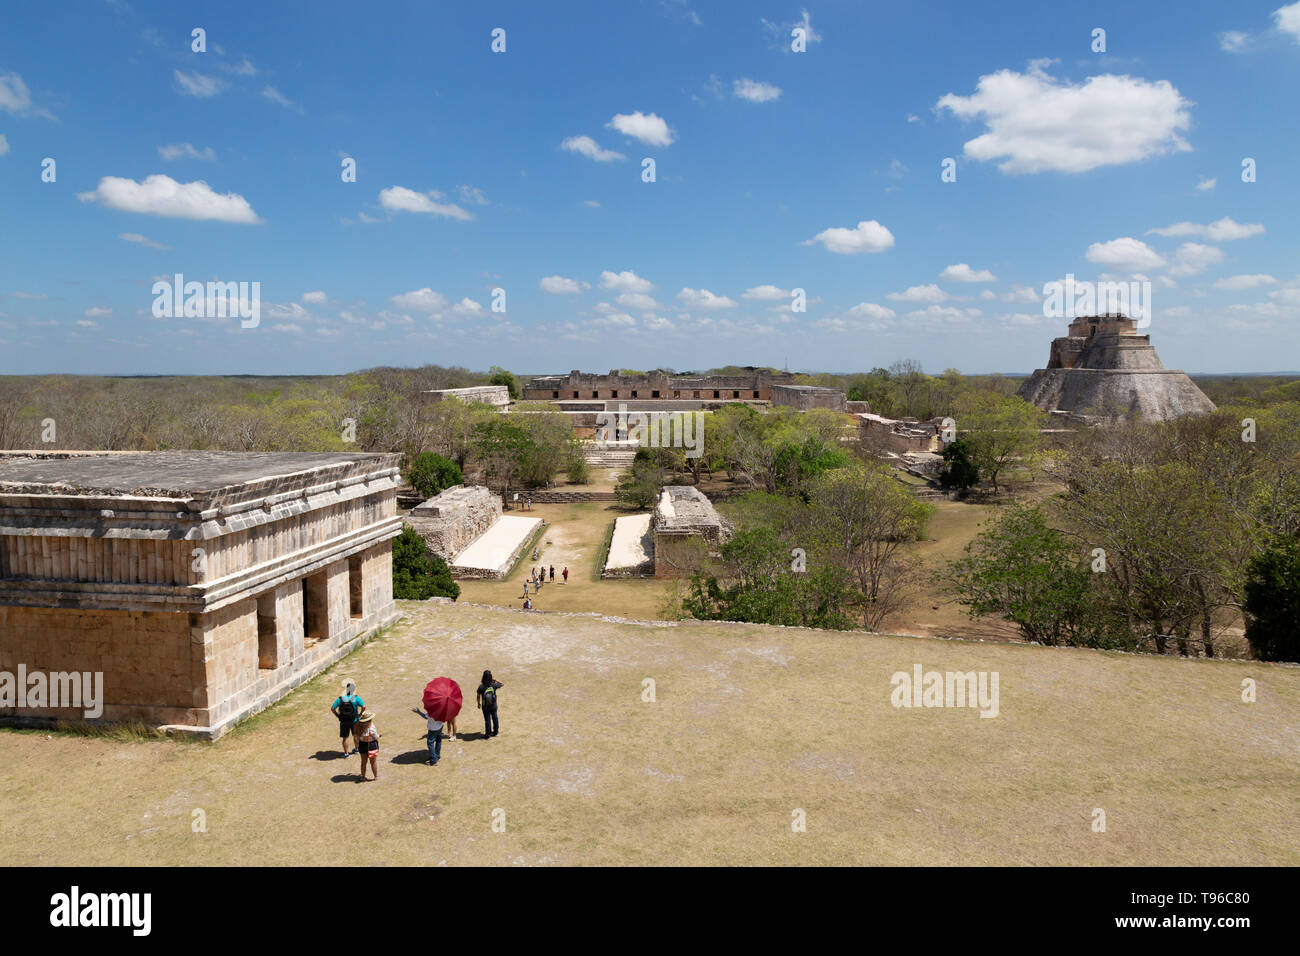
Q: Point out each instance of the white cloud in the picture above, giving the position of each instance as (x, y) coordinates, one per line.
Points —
(867, 236)
(1192, 258)
(755, 91)
(1036, 123)
(96, 312)
(592, 203)
(315, 298)
(4, 144)
(14, 95)
(637, 300)
(1221, 230)
(627, 281)
(559, 285)
(1233, 41)
(1288, 20)
(870, 310)
(913, 118)
(780, 32)
(1126, 254)
(87, 324)
(1021, 293)
(586, 146)
(468, 306)
(919, 293)
(275, 96)
(141, 240)
(472, 195)
(765, 292)
(161, 195)
(1240, 282)
(646, 127)
(961, 272)
(187, 151)
(243, 68)
(421, 300)
(198, 84)
(401, 199)
(704, 300)
(1205, 185)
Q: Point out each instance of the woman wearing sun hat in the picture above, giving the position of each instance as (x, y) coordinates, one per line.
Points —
(368, 742)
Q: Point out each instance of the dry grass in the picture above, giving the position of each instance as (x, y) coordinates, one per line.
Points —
(750, 723)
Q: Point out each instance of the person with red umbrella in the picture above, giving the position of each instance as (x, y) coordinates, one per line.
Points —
(442, 700)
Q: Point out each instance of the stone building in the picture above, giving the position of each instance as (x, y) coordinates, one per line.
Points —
(806, 397)
(497, 396)
(901, 435)
(687, 531)
(202, 585)
(454, 517)
(753, 386)
(1105, 369)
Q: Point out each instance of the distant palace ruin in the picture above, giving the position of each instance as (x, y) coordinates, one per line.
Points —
(1104, 369)
(752, 386)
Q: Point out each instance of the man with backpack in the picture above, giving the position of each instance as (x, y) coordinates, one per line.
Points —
(486, 699)
(346, 707)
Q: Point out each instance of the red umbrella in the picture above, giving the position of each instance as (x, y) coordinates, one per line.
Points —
(442, 698)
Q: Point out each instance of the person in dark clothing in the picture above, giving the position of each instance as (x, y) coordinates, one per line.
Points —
(486, 698)
(552, 572)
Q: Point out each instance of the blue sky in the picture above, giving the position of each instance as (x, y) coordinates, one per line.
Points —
(521, 170)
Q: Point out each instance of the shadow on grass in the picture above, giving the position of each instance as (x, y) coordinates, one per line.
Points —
(329, 755)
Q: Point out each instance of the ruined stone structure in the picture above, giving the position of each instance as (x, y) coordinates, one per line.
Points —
(202, 585)
(658, 385)
(901, 435)
(687, 530)
(1105, 369)
(450, 520)
(805, 397)
(495, 395)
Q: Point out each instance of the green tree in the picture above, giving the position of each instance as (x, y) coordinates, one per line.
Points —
(1029, 573)
(999, 431)
(431, 473)
(417, 574)
(1273, 601)
(501, 377)
(961, 473)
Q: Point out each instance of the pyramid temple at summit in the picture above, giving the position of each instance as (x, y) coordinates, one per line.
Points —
(1104, 369)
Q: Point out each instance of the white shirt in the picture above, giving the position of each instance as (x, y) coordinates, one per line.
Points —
(434, 724)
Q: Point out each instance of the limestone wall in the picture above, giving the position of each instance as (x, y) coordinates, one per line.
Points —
(449, 521)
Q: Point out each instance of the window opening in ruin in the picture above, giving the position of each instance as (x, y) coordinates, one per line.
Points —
(267, 648)
(315, 607)
(355, 591)
(654, 394)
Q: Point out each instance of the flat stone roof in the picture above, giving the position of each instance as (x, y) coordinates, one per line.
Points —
(176, 474)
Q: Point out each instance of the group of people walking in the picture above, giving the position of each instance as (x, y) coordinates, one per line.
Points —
(537, 578)
(357, 723)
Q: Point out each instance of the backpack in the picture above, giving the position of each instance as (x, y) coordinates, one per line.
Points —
(489, 697)
(348, 708)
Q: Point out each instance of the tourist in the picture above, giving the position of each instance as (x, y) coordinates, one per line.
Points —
(528, 605)
(451, 727)
(552, 572)
(525, 589)
(486, 698)
(368, 742)
(434, 736)
(346, 707)
(566, 575)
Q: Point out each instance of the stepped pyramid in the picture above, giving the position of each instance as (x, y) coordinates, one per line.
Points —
(1104, 369)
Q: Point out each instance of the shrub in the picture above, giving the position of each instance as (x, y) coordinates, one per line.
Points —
(1273, 602)
(431, 473)
(417, 574)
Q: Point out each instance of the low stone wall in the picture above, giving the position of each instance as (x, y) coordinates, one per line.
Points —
(525, 531)
(449, 521)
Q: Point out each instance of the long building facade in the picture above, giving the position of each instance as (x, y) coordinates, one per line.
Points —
(658, 385)
(203, 586)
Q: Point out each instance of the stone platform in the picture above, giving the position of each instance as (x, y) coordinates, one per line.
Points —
(494, 553)
(631, 550)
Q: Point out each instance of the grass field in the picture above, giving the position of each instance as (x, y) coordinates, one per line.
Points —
(750, 724)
